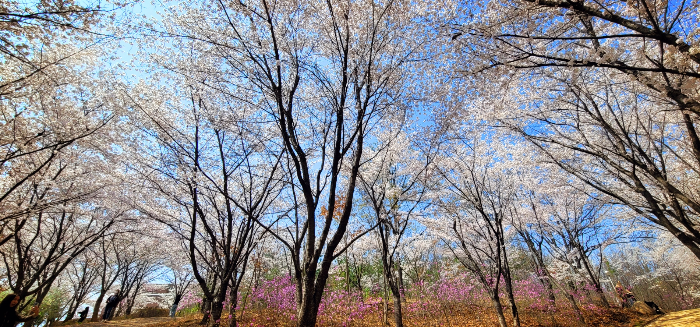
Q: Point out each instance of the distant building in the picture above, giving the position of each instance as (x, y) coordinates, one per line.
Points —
(155, 296)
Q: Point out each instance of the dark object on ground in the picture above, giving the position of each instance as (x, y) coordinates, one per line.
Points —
(654, 307)
(83, 314)
(642, 308)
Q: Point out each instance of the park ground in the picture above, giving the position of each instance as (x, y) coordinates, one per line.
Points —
(612, 318)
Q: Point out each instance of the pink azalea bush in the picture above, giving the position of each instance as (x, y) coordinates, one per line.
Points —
(440, 300)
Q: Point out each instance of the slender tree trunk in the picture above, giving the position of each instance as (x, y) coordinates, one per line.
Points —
(314, 276)
(233, 295)
(300, 290)
(357, 281)
(543, 277)
(173, 308)
(347, 273)
(496, 301)
(601, 294)
(70, 313)
(401, 287)
(385, 302)
(96, 308)
(118, 311)
(508, 283)
(509, 293)
(396, 295)
(540, 267)
(594, 279)
(577, 309)
(39, 299)
(121, 306)
(398, 315)
(129, 306)
(550, 289)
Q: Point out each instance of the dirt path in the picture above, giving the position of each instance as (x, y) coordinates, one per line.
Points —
(129, 322)
(686, 318)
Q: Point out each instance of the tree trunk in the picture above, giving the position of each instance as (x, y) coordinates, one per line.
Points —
(509, 293)
(543, 277)
(309, 300)
(70, 313)
(300, 290)
(307, 310)
(347, 274)
(358, 278)
(508, 283)
(496, 301)
(594, 279)
(129, 305)
(117, 311)
(206, 308)
(540, 267)
(216, 308)
(396, 295)
(39, 299)
(577, 310)
(96, 308)
(233, 322)
(401, 287)
(173, 309)
(385, 302)
(601, 294)
(550, 290)
(398, 317)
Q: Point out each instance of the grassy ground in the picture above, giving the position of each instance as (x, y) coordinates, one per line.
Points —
(135, 322)
(611, 318)
(686, 318)
(476, 316)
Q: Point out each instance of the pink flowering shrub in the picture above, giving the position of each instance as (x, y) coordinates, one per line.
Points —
(279, 294)
(451, 299)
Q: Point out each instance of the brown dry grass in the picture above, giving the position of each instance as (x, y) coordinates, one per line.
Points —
(463, 318)
(686, 318)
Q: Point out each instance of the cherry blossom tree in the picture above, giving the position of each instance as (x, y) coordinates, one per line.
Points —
(393, 185)
(49, 242)
(607, 90)
(41, 133)
(323, 74)
(109, 266)
(476, 194)
(658, 269)
(29, 28)
(141, 261)
(217, 174)
(179, 274)
(52, 100)
(571, 229)
(82, 276)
